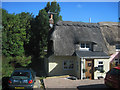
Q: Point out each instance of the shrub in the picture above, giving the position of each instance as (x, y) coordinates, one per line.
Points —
(9, 63)
(7, 69)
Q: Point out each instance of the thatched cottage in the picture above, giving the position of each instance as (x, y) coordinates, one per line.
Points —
(81, 49)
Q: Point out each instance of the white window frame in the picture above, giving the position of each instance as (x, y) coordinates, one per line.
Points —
(69, 62)
(117, 46)
(117, 62)
(99, 64)
(85, 48)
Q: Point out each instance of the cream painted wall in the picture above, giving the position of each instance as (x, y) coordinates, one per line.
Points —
(55, 65)
(106, 63)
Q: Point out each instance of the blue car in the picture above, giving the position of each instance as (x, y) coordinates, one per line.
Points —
(22, 78)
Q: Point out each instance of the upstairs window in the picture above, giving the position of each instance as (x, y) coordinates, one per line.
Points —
(117, 47)
(85, 46)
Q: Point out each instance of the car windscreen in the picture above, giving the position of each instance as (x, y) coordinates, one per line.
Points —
(21, 74)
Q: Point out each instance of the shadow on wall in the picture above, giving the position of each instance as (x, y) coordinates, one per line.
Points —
(95, 86)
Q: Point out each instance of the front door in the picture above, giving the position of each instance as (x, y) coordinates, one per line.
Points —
(89, 63)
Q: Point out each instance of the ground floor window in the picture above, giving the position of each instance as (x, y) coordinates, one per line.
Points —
(100, 66)
(117, 62)
(68, 65)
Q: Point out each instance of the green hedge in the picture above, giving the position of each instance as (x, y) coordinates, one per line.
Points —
(8, 64)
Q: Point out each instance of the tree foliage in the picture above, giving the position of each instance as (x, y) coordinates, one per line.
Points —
(24, 35)
(55, 8)
(15, 33)
(39, 32)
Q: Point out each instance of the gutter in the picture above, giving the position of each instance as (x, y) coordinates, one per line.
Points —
(92, 57)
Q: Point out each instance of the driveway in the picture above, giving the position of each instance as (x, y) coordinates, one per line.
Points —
(73, 84)
(37, 84)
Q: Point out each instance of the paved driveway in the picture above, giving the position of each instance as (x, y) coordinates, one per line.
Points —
(74, 84)
(37, 84)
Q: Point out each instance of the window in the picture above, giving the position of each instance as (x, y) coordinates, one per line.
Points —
(82, 45)
(85, 46)
(23, 74)
(100, 62)
(117, 62)
(117, 47)
(68, 65)
(100, 66)
(89, 64)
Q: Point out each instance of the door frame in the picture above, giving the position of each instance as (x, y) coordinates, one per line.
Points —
(92, 67)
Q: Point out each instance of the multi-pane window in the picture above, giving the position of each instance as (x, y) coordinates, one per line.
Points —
(117, 47)
(117, 62)
(85, 46)
(100, 66)
(100, 62)
(68, 64)
(82, 45)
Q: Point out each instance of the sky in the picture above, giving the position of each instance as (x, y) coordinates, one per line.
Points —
(71, 11)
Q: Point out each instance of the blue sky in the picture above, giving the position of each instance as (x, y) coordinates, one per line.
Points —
(71, 11)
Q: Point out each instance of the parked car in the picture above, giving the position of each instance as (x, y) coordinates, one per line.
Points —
(22, 78)
(112, 78)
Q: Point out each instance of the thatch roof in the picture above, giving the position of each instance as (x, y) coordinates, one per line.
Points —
(68, 34)
(111, 32)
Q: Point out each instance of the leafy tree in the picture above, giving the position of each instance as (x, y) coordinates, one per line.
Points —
(40, 28)
(55, 8)
(14, 33)
(47, 8)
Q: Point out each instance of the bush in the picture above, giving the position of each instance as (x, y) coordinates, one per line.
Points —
(23, 61)
(9, 63)
(7, 69)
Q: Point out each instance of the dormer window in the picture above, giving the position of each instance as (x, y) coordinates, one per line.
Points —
(117, 47)
(85, 46)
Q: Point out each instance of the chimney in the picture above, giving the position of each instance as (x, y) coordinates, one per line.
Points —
(51, 20)
(89, 20)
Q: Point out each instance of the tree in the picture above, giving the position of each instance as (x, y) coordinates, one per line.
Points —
(55, 8)
(39, 32)
(47, 8)
(14, 33)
